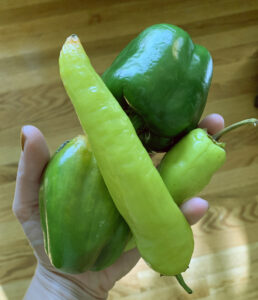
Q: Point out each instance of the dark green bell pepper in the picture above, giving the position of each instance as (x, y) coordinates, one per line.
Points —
(161, 79)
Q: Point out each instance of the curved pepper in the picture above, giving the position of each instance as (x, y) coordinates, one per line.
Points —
(161, 79)
(163, 236)
(194, 160)
(81, 226)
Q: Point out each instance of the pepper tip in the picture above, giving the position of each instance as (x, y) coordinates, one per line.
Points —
(73, 39)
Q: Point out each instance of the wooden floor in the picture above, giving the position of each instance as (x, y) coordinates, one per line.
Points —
(225, 263)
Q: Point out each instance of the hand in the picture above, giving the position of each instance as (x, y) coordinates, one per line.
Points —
(48, 282)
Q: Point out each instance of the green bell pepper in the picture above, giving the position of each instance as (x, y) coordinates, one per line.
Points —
(81, 225)
(161, 79)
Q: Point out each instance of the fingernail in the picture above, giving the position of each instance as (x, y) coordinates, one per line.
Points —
(23, 139)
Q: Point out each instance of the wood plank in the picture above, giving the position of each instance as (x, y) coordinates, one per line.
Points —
(88, 23)
(225, 263)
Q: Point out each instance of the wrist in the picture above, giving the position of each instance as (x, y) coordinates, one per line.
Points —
(49, 285)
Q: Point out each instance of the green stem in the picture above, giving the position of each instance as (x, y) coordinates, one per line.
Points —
(181, 281)
(219, 134)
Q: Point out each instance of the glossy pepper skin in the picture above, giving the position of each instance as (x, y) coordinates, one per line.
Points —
(81, 226)
(193, 160)
(161, 79)
(163, 235)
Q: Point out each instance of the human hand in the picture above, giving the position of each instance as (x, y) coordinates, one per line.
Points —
(48, 282)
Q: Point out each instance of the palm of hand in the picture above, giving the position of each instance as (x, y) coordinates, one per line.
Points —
(34, 158)
(26, 207)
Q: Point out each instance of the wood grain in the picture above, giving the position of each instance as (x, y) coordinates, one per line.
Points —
(225, 262)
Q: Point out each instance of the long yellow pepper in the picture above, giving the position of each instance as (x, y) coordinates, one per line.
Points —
(162, 234)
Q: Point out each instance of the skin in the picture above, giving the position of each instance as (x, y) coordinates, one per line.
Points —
(48, 282)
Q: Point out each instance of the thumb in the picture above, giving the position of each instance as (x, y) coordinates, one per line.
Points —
(34, 157)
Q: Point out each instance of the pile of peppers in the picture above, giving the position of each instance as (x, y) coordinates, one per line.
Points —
(150, 99)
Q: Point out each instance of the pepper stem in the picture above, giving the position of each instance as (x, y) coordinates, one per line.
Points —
(181, 281)
(219, 134)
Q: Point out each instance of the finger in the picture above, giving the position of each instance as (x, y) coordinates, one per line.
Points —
(194, 209)
(213, 123)
(33, 160)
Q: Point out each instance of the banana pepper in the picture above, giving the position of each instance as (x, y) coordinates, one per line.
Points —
(162, 234)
